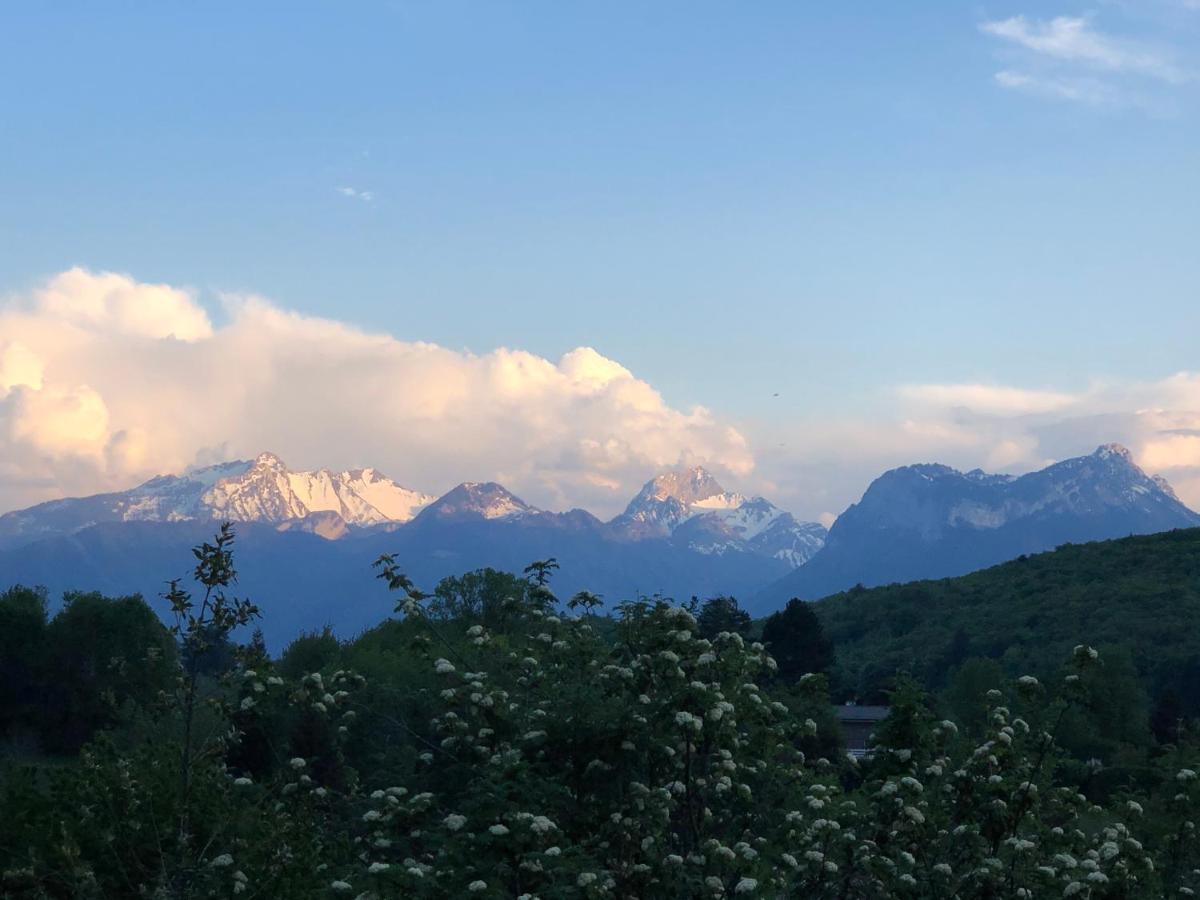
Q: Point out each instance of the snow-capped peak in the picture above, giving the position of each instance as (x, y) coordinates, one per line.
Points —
(261, 490)
(674, 497)
(690, 505)
(271, 492)
(477, 500)
(1114, 451)
(268, 460)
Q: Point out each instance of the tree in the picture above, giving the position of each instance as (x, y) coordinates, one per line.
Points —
(718, 614)
(102, 653)
(965, 699)
(795, 638)
(585, 600)
(197, 626)
(310, 652)
(486, 596)
(22, 652)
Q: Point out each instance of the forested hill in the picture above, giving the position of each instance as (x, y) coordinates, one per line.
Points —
(1142, 593)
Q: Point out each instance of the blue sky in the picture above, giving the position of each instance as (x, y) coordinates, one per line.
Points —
(827, 203)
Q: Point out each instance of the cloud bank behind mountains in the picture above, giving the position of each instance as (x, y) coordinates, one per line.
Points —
(105, 381)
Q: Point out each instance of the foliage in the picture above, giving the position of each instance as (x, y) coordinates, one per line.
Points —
(63, 679)
(546, 757)
(1142, 593)
(797, 641)
(718, 614)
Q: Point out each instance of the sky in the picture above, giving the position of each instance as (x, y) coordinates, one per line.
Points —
(565, 245)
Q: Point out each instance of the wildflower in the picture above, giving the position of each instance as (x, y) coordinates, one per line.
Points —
(498, 830)
(477, 886)
(297, 762)
(242, 782)
(687, 720)
(222, 861)
(443, 666)
(340, 886)
(376, 868)
(585, 878)
(746, 886)
(541, 825)
(454, 821)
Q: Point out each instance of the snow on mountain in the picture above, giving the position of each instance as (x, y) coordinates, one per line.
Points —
(270, 492)
(475, 500)
(691, 506)
(932, 521)
(260, 490)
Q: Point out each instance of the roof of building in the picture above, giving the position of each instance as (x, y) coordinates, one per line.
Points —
(851, 712)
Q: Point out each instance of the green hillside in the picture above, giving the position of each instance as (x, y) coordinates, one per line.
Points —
(1139, 593)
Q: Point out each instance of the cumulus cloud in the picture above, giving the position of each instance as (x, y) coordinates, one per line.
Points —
(827, 464)
(105, 381)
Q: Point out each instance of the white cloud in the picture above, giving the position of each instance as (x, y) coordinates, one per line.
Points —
(1073, 40)
(354, 194)
(1066, 58)
(1172, 451)
(105, 381)
(1089, 91)
(988, 399)
(994, 427)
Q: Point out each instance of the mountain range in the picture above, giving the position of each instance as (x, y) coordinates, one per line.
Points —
(931, 521)
(307, 538)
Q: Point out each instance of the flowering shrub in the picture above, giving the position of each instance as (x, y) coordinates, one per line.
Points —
(561, 756)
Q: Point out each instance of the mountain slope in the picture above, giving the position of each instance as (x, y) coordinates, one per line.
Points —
(306, 539)
(302, 581)
(1142, 593)
(931, 521)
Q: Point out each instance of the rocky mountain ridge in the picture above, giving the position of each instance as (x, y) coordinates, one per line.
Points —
(932, 521)
(688, 506)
